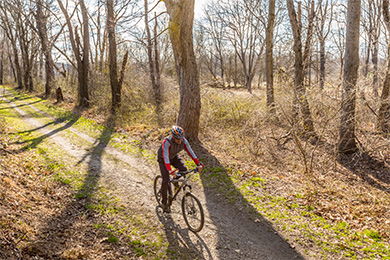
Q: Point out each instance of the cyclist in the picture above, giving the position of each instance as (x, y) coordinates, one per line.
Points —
(167, 155)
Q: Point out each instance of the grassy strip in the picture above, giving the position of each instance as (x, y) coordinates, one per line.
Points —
(291, 217)
(82, 124)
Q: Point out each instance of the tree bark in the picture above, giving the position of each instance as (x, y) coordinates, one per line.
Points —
(112, 53)
(152, 61)
(382, 122)
(269, 71)
(300, 101)
(81, 53)
(347, 138)
(181, 13)
(41, 19)
(116, 84)
(2, 62)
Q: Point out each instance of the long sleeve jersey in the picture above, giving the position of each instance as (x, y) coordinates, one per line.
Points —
(169, 149)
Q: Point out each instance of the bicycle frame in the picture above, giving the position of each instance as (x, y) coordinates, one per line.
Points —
(183, 184)
(191, 207)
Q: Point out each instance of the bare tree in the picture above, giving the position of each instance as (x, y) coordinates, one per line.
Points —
(347, 139)
(300, 101)
(116, 84)
(338, 37)
(324, 20)
(41, 21)
(216, 41)
(269, 64)
(372, 26)
(2, 52)
(153, 57)
(10, 30)
(244, 31)
(181, 14)
(81, 51)
(383, 115)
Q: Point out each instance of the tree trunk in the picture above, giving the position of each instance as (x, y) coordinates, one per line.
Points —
(84, 70)
(347, 139)
(17, 67)
(300, 100)
(322, 63)
(181, 15)
(269, 71)
(375, 54)
(112, 53)
(81, 53)
(2, 62)
(152, 66)
(157, 73)
(41, 19)
(383, 124)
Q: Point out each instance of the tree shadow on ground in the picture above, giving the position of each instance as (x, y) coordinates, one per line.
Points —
(183, 244)
(370, 170)
(22, 105)
(264, 242)
(33, 143)
(77, 228)
(94, 166)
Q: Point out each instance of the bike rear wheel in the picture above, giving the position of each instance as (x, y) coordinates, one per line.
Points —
(157, 189)
(192, 212)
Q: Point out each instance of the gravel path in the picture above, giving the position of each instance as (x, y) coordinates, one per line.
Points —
(227, 234)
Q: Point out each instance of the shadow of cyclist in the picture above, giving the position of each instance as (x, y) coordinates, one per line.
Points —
(183, 244)
(262, 241)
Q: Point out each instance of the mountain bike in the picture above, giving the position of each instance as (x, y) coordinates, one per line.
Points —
(192, 209)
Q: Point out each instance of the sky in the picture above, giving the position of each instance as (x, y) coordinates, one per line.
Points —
(199, 7)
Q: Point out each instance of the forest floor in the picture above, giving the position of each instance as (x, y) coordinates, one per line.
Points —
(72, 189)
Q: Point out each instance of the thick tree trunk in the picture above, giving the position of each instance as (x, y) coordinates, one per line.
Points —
(347, 140)
(181, 15)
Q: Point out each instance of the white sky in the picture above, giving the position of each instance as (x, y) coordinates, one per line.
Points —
(199, 7)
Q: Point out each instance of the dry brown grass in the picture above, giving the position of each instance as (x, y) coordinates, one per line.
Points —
(237, 129)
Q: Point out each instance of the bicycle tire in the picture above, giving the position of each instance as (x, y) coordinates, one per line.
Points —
(157, 189)
(192, 212)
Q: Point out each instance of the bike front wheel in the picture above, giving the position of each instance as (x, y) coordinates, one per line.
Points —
(192, 212)
(157, 189)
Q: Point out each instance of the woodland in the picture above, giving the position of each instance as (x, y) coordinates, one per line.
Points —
(287, 103)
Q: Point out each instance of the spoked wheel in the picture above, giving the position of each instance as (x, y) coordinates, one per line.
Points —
(157, 189)
(192, 212)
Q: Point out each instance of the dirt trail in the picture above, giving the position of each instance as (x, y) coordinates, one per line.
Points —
(227, 234)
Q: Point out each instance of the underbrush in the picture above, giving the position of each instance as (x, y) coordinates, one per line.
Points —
(340, 203)
(349, 190)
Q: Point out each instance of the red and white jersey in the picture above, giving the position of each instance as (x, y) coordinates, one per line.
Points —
(169, 149)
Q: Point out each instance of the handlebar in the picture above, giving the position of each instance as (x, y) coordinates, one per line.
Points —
(180, 174)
